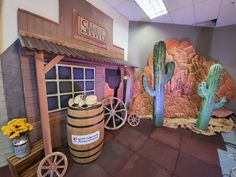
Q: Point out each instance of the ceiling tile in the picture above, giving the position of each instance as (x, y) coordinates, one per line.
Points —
(206, 10)
(182, 11)
(227, 8)
(176, 4)
(198, 1)
(183, 16)
(132, 11)
(114, 3)
(162, 19)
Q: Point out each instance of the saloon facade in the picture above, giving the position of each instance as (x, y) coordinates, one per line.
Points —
(74, 56)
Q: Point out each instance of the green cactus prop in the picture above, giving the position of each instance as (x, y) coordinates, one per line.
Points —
(162, 74)
(207, 90)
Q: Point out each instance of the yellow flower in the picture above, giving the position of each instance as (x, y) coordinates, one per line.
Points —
(16, 127)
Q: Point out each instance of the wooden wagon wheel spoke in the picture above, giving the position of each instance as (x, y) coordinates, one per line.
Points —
(61, 166)
(118, 102)
(57, 172)
(133, 120)
(120, 110)
(114, 121)
(51, 175)
(108, 120)
(116, 105)
(59, 161)
(54, 160)
(46, 173)
(49, 161)
(46, 167)
(111, 104)
(119, 117)
(106, 108)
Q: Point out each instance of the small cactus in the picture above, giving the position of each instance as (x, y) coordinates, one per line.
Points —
(162, 74)
(207, 90)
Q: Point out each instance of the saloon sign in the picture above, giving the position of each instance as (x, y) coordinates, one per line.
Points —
(91, 30)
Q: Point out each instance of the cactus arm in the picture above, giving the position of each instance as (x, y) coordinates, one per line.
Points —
(170, 68)
(146, 87)
(220, 103)
(202, 89)
(207, 90)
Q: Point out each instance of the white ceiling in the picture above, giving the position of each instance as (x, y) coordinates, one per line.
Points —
(184, 12)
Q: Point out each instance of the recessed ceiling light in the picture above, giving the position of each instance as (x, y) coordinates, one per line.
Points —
(152, 8)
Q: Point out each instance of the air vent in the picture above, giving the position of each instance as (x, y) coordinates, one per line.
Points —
(210, 24)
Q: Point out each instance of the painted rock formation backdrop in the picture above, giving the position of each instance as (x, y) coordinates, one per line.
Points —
(181, 98)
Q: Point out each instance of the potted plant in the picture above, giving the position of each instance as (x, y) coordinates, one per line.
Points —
(17, 129)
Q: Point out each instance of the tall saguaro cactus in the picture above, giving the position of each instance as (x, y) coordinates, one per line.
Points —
(162, 74)
(207, 90)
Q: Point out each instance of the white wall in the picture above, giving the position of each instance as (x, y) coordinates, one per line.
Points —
(50, 10)
(45, 8)
(120, 24)
(223, 50)
(143, 36)
(5, 148)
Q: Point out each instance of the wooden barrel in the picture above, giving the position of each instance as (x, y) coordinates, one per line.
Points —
(85, 133)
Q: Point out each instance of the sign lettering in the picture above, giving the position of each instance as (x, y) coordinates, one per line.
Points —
(85, 139)
(91, 30)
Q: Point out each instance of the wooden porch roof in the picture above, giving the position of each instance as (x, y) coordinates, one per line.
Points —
(33, 43)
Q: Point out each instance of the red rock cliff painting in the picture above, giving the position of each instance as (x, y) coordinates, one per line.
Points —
(181, 98)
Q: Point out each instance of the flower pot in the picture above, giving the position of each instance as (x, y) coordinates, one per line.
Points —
(21, 146)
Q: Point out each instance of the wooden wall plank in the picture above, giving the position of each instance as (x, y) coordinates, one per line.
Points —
(46, 28)
(31, 23)
(22, 18)
(38, 25)
(53, 30)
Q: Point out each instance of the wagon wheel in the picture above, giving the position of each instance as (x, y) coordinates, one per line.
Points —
(115, 113)
(133, 120)
(54, 164)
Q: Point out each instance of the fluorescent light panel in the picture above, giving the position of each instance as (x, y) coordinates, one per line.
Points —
(152, 8)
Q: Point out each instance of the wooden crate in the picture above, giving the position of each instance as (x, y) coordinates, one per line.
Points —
(27, 166)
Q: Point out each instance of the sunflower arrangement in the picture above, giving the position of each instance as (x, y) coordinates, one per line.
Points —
(16, 128)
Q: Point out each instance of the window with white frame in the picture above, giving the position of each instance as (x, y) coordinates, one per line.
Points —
(67, 81)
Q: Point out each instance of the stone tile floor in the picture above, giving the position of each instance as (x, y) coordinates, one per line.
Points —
(146, 151)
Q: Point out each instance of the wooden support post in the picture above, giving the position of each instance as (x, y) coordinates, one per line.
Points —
(43, 104)
(52, 63)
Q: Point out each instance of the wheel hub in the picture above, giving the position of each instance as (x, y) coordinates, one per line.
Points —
(113, 112)
(53, 167)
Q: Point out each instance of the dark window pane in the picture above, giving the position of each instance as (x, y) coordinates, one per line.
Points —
(89, 73)
(78, 73)
(78, 86)
(64, 72)
(52, 103)
(89, 85)
(51, 74)
(89, 93)
(65, 87)
(64, 100)
(51, 87)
